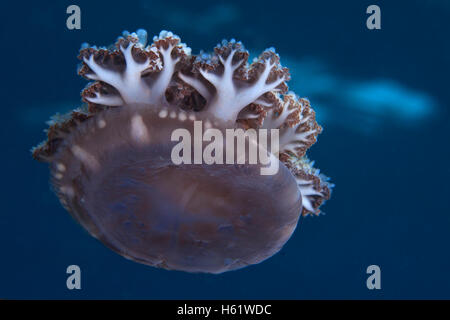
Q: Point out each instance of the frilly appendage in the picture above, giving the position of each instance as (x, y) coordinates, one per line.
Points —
(138, 74)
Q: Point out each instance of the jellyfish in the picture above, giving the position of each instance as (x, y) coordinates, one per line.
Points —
(112, 167)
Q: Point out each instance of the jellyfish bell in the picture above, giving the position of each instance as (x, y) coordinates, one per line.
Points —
(112, 163)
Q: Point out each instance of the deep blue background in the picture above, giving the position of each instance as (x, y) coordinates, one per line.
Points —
(382, 98)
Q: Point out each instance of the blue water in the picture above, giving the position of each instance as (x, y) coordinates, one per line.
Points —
(382, 97)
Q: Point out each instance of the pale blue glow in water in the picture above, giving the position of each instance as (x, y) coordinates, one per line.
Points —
(358, 104)
(386, 97)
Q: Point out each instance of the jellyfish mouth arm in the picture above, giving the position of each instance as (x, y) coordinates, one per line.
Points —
(129, 84)
(196, 84)
(102, 74)
(260, 87)
(229, 84)
(263, 103)
(296, 124)
(248, 114)
(162, 82)
(120, 70)
(307, 190)
(225, 89)
(107, 100)
(274, 120)
(291, 140)
(133, 89)
(315, 190)
(229, 98)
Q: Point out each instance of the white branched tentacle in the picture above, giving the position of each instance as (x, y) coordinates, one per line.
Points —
(224, 101)
(110, 77)
(113, 101)
(261, 87)
(263, 103)
(130, 85)
(229, 101)
(305, 119)
(273, 123)
(197, 85)
(290, 139)
(248, 114)
(306, 190)
(160, 85)
(133, 69)
(215, 80)
(135, 89)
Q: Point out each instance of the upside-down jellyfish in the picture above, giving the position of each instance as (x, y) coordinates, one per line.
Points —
(112, 163)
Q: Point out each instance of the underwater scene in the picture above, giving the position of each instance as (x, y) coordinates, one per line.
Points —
(225, 150)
